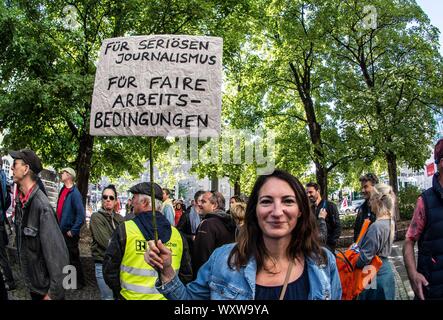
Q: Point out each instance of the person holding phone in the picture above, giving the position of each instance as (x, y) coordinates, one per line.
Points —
(327, 216)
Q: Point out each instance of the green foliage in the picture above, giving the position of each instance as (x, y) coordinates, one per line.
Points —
(372, 91)
(47, 68)
(385, 80)
(407, 198)
(347, 221)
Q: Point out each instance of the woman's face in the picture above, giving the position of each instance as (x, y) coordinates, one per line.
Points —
(277, 209)
(108, 200)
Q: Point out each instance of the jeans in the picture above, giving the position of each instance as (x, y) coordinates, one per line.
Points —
(105, 291)
(385, 286)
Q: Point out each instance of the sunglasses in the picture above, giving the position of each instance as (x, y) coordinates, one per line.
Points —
(105, 197)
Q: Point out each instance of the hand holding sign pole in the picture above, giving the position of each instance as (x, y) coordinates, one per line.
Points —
(159, 85)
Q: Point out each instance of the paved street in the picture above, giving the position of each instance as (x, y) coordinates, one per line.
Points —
(89, 292)
(403, 287)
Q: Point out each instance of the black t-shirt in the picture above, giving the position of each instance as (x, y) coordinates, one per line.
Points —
(296, 290)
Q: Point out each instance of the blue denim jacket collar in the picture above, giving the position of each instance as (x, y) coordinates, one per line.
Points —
(215, 280)
(250, 274)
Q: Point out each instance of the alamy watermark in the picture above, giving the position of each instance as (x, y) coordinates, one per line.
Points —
(231, 147)
(369, 21)
(370, 281)
(71, 17)
(70, 280)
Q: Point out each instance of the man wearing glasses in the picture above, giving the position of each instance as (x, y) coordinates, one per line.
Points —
(41, 249)
(71, 215)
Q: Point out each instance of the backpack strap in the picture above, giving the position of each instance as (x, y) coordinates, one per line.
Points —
(342, 256)
(363, 230)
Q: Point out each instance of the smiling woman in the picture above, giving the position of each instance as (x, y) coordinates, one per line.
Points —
(277, 256)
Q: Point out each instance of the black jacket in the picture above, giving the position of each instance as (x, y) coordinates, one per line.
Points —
(115, 252)
(364, 212)
(41, 248)
(184, 226)
(430, 250)
(333, 225)
(216, 229)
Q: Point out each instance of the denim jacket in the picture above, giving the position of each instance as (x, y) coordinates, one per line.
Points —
(216, 281)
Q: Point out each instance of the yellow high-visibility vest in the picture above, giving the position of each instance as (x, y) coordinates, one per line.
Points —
(137, 278)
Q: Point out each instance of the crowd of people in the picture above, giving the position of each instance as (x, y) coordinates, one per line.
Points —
(278, 244)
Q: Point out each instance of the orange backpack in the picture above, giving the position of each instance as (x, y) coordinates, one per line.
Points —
(354, 280)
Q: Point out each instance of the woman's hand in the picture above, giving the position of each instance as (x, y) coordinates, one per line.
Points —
(160, 258)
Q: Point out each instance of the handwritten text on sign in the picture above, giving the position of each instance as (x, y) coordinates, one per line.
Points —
(154, 85)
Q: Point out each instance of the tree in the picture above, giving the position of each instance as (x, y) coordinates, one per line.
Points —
(49, 50)
(289, 40)
(388, 79)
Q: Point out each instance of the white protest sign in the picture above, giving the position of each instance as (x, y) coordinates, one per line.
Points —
(155, 85)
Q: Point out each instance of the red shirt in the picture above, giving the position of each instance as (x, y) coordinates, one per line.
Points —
(178, 214)
(25, 197)
(418, 221)
(61, 202)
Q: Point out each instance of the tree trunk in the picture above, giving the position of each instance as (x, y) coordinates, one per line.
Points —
(322, 179)
(391, 159)
(321, 172)
(84, 164)
(237, 189)
(214, 183)
(303, 84)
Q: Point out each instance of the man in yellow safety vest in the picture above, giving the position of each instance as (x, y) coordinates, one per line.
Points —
(124, 268)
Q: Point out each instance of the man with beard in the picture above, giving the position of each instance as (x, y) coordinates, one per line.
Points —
(327, 214)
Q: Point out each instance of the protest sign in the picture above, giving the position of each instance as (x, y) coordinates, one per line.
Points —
(154, 85)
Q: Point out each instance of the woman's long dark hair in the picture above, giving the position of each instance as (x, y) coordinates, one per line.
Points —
(305, 238)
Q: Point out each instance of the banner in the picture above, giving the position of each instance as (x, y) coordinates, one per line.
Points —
(155, 85)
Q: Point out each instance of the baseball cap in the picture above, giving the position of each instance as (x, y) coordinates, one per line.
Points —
(70, 171)
(29, 157)
(145, 188)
